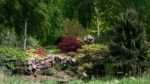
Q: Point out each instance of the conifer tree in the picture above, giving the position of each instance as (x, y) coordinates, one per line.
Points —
(127, 47)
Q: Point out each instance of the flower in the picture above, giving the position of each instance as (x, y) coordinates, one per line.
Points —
(40, 52)
(88, 39)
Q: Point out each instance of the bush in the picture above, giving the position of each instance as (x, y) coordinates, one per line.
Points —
(69, 44)
(9, 57)
(39, 53)
(33, 42)
(49, 72)
(91, 59)
(8, 36)
(49, 64)
(128, 44)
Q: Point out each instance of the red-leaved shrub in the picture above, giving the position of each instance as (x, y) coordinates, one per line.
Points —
(69, 44)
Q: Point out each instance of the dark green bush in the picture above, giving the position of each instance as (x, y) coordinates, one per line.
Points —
(9, 57)
(50, 71)
(91, 59)
(128, 43)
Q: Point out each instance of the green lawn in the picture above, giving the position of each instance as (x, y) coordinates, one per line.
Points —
(130, 80)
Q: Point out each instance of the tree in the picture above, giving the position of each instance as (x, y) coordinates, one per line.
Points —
(86, 11)
(26, 14)
(107, 12)
(31, 17)
(16, 13)
(128, 47)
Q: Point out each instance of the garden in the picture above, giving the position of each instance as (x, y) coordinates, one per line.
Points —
(74, 42)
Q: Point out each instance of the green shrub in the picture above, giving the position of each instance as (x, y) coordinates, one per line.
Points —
(49, 72)
(128, 43)
(110, 70)
(91, 59)
(7, 36)
(33, 42)
(9, 57)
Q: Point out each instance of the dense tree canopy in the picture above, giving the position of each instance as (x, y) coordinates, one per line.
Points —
(44, 16)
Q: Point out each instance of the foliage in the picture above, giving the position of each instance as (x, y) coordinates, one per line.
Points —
(35, 53)
(91, 59)
(72, 28)
(82, 10)
(9, 57)
(110, 70)
(33, 42)
(69, 44)
(49, 65)
(7, 36)
(42, 17)
(128, 47)
(106, 12)
(50, 71)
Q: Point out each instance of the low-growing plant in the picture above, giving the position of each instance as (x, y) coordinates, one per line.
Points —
(9, 56)
(35, 53)
(46, 64)
(69, 44)
(91, 60)
(49, 72)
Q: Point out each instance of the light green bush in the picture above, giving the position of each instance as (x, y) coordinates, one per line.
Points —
(91, 59)
(9, 57)
(33, 42)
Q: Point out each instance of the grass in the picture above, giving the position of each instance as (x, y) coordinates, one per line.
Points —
(53, 49)
(17, 80)
(129, 80)
(50, 82)
(76, 82)
(106, 80)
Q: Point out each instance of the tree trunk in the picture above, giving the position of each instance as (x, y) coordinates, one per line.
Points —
(97, 21)
(98, 30)
(25, 35)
